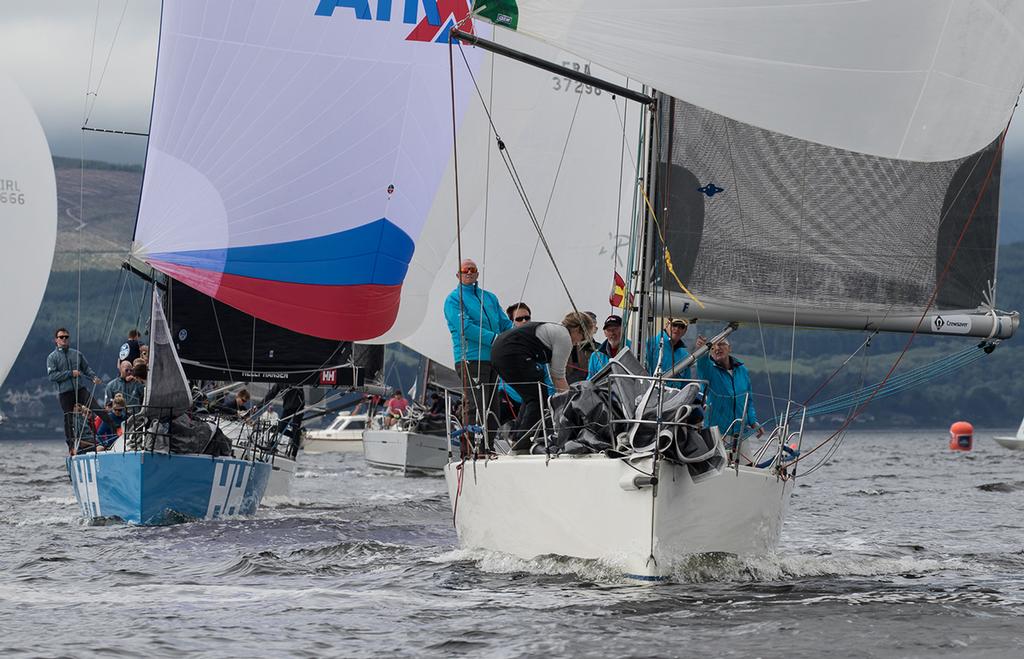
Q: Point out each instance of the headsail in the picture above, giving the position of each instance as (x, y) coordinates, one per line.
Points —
(295, 151)
(567, 142)
(28, 215)
(931, 80)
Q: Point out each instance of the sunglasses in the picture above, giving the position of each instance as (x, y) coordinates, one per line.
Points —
(63, 336)
(522, 319)
(468, 271)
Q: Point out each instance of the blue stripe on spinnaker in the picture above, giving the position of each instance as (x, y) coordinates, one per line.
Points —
(375, 253)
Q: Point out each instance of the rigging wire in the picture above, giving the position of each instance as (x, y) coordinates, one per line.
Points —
(513, 173)
(106, 63)
(551, 195)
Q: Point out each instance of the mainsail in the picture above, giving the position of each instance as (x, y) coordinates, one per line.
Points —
(218, 342)
(765, 227)
(931, 80)
(28, 215)
(575, 149)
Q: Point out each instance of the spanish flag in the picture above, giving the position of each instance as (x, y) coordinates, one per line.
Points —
(618, 296)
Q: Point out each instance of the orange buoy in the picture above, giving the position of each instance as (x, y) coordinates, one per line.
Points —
(961, 436)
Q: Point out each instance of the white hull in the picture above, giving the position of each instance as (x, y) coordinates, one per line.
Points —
(280, 484)
(408, 452)
(586, 507)
(1016, 443)
(352, 444)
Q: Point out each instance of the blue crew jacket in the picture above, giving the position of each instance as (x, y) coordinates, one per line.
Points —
(600, 357)
(485, 320)
(726, 394)
(59, 365)
(669, 357)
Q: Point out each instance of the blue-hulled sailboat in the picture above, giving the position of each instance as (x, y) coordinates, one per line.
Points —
(169, 465)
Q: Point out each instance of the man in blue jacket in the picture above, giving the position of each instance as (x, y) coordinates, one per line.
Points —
(475, 318)
(610, 348)
(68, 370)
(728, 389)
(667, 349)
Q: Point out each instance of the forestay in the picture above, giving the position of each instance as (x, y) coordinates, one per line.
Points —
(28, 215)
(930, 80)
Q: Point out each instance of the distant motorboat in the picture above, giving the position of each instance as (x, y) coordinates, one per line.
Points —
(1015, 443)
(344, 434)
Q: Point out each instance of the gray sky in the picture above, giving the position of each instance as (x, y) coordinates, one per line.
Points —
(46, 45)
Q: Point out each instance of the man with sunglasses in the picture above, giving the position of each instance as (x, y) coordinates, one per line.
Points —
(475, 318)
(67, 368)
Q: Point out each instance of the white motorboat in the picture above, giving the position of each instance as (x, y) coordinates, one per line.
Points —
(1016, 443)
(344, 434)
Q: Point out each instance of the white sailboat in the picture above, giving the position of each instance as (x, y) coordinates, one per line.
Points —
(783, 154)
(1015, 442)
(28, 215)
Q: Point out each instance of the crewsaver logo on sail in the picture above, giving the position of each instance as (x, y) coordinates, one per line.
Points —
(429, 28)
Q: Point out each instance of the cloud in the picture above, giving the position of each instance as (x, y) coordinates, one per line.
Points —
(47, 46)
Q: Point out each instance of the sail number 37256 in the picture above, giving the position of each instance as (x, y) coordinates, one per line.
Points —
(566, 84)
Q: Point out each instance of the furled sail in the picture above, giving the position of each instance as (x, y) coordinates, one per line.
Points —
(167, 391)
(28, 215)
(761, 226)
(296, 148)
(930, 80)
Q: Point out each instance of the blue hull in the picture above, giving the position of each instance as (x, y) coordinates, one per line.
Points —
(159, 488)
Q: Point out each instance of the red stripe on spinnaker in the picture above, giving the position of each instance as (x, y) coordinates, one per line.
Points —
(340, 313)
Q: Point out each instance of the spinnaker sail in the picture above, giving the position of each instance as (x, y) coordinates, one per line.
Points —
(28, 215)
(295, 151)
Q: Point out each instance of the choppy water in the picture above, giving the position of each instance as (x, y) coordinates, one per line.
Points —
(899, 547)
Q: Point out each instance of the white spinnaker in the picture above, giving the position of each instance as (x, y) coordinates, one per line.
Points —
(28, 219)
(926, 80)
(589, 212)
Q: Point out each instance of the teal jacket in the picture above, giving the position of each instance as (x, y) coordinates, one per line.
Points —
(59, 365)
(484, 320)
(726, 394)
(132, 391)
(601, 357)
(669, 357)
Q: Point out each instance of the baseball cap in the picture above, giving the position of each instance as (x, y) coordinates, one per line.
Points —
(611, 320)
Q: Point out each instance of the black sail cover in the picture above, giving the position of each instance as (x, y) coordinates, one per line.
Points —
(218, 342)
(759, 219)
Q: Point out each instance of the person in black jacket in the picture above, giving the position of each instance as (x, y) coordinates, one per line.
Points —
(292, 401)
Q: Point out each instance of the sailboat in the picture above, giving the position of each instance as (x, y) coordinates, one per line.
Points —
(28, 213)
(799, 176)
(418, 443)
(1016, 442)
(259, 352)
